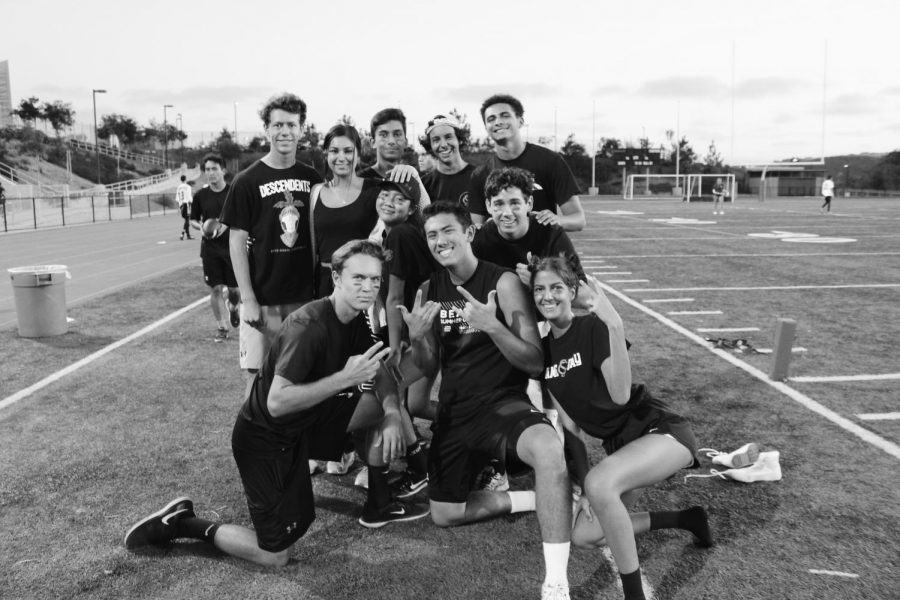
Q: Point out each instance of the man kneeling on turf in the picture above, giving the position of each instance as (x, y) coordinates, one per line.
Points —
(307, 395)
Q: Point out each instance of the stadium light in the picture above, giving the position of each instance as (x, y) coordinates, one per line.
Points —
(181, 138)
(166, 136)
(235, 124)
(96, 141)
(846, 181)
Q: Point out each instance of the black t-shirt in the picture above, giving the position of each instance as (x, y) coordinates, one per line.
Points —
(572, 374)
(453, 188)
(208, 205)
(272, 206)
(370, 173)
(541, 240)
(554, 183)
(311, 345)
(408, 258)
(355, 221)
(471, 364)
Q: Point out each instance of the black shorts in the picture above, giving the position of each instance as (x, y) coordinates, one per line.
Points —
(277, 482)
(217, 270)
(653, 416)
(467, 434)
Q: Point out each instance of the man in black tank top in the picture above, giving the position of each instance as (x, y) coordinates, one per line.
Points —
(474, 318)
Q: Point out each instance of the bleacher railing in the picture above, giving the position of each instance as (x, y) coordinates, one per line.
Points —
(150, 159)
(20, 214)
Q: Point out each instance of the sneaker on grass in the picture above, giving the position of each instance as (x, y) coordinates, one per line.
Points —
(162, 526)
(409, 484)
(744, 456)
(362, 478)
(342, 466)
(492, 481)
(221, 335)
(397, 510)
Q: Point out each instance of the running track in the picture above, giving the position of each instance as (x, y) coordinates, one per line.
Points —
(101, 257)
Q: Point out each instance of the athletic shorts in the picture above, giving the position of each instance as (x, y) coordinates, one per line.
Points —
(277, 482)
(653, 416)
(253, 343)
(217, 270)
(466, 435)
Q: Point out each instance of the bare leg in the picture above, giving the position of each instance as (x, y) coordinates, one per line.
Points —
(539, 447)
(240, 542)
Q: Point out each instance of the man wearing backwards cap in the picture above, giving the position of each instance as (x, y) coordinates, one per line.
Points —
(444, 138)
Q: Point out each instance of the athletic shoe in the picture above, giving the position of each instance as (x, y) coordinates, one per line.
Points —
(362, 478)
(554, 591)
(160, 527)
(182, 236)
(395, 511)
(766, 468)
(744, 456)
(492, 481)
(316, 466)
(221, 335)
(234, 314)
(409, 484)
(341, 467)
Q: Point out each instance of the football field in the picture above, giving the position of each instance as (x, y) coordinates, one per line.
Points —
(134, 406)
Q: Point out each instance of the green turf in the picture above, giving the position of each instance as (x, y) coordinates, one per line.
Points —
(87, 456)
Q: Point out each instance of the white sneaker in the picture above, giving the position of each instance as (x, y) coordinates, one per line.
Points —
(554, 591)
(316, 466)
(766, 468)
(492, 481)
(744, 456)
(362, 478)
(341, 467)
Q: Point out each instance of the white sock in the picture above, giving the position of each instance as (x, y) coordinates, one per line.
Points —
(556, 561)
(521, 501)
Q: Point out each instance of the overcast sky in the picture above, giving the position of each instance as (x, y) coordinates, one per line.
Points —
(764, 80)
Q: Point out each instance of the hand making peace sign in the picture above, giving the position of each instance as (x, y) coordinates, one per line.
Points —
(482, 316)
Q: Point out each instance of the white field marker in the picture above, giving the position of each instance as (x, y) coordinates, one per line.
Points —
(864, 434)
(605, 267)
(10, 400)
(836, 378)
(770, 288)
(694, 312)
(769, 350)
(615, 273)
(879, 416)
(726, 329)
(627, 280)
(658, 300)
(834, 573)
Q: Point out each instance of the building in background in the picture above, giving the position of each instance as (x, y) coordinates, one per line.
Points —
(5, 95)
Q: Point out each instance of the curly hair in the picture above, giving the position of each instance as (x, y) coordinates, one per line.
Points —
(509, 177)
(286, 102)
(503, 99)
(462, 133)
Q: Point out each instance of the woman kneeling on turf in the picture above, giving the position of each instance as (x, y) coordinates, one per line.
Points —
(588, 376)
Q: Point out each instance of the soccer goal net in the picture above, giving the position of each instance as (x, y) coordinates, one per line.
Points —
(700, 187)
(642, 186)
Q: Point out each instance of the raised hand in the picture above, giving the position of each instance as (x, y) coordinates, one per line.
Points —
(480, 315)
(363, 367)
(597, 302)
(523, 271)
(422, 316)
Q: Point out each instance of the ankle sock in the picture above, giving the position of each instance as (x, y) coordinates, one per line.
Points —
(693, 519)
(523, 501)
(632, 586)
(379, 493)
(198, 529)
(556, 560)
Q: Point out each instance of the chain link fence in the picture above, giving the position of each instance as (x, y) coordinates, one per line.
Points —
(20, 214)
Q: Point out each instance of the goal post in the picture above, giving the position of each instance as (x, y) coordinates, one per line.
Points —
(700, 186)
(642, 186)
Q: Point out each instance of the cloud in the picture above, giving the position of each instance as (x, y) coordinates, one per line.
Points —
(477, 93)
(682, 86)
(854, 104)
(768, 86)
(608, 90)
(892, 91)
(195, 96)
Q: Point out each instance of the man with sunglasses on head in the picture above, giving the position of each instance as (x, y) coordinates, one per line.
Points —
(444, 139)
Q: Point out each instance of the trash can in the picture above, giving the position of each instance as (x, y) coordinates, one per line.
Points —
(40, 298)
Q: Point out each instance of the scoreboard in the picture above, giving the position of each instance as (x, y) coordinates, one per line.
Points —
(636, 157)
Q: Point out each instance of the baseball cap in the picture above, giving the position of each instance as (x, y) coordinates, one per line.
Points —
(410, 189)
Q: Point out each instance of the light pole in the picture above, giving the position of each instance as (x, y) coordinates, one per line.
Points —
(846, 181)
(96, 142)
(181, 138)
(166, 136)
(235, 125)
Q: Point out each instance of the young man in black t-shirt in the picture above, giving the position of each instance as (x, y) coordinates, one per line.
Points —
(556, 199)
(388, 130)
(214, 250)
(444, 138)
(312, 389)
(474, 318)
(268, 204)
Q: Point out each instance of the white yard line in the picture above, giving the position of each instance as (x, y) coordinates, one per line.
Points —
(694, 312)
(769, 350)
(846, 424)
(627, 280)
(10, 400)
(768, 287)
(879, 416)
(833, 573)
(833, 378)
(616, 273)
(656, 300)
(726, 329)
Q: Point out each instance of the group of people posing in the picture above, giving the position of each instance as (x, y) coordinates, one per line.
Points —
(360, 293)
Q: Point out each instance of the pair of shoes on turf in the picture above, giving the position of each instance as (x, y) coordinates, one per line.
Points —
(221, 335)
(395, 511)
(748, 465)
(409, 484)
(554, 591)
(161, 527)
(492, 481)
(744, 456)
(234, 315)
(342, 466)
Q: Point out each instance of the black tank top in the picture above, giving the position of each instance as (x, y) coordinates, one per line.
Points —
(471, 364)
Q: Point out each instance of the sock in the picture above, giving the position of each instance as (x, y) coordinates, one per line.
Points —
(631, 585)
(556, 561)
(222, 324)
(379, 494)
(693, 519)
(198, 529)
(416, 460)
(521, 501)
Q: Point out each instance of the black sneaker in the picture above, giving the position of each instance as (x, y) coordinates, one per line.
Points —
(234, 314)
(221, 335)
(395, 511)
(160, 527)
(409, 484)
